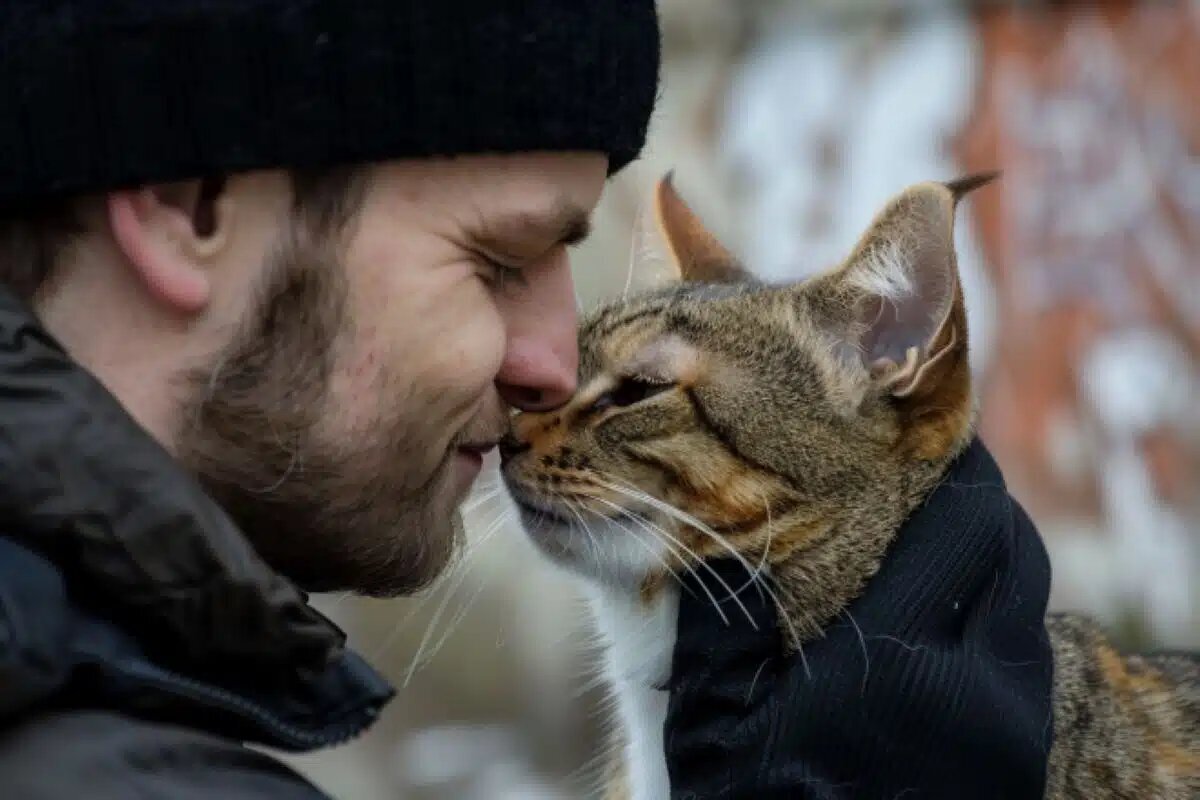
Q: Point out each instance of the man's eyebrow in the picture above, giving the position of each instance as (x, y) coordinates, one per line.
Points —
(563, 223)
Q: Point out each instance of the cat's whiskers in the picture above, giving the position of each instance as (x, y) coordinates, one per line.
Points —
(669, 541)
(496, 525)
(759, 577)
(420, 658)
(688, 519)
(629, 531)
(632, 491)
(595, 545)
(478, 500)
(583, 526)
(463, 570)
(760, 573)
(454, 623)
(452, 584)
(443, 580)
(862, 641)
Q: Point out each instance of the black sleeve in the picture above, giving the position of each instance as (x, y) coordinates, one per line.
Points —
(936, 683)
(104, 756)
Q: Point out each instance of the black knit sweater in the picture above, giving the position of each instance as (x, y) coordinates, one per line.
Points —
(940, 686)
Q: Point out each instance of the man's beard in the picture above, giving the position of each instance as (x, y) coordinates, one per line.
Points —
(329, 512)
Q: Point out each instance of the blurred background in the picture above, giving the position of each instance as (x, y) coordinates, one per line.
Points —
(789, 123)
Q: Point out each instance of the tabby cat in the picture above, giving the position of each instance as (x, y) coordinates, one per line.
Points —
(718, 402)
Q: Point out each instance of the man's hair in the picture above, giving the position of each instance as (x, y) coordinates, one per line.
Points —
(34, 237)
(31, 242)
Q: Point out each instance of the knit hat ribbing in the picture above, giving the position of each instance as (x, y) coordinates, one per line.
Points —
(98, 95)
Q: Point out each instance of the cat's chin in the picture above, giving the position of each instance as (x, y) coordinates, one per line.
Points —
(600, 551)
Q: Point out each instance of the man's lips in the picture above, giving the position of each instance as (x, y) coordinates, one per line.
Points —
(478, 448)
(475, 451)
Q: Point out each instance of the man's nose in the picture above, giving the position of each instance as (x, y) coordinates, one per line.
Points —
(541, 357)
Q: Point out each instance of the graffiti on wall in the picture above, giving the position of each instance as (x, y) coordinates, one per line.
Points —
(1094, 113)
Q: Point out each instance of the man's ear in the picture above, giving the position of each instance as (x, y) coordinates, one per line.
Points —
(671, 244)
(895, 304)
(169, 234)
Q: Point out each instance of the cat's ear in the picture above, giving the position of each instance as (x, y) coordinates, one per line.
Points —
(671, 244)
(898, 295)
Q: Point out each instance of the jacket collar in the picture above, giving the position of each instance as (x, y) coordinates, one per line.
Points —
(135, 536)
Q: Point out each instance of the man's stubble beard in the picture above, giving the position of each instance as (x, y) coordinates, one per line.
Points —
(330, 515)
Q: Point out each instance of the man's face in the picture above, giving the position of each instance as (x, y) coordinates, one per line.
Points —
(347, 419)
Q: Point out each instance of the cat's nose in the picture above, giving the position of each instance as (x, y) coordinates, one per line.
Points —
(511, 446)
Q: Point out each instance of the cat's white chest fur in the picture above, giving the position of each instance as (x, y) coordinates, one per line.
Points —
(641, 641)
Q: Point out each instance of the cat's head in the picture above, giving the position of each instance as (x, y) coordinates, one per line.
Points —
(772, 417)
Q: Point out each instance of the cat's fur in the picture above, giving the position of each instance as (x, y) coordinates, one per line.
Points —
(801, 425)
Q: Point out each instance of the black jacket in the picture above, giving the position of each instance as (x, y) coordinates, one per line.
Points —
(142, 640)
(937, 683)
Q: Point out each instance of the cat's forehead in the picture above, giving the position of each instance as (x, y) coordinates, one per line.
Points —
(677, 301)
(616, 330)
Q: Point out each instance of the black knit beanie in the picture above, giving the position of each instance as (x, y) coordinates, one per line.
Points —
(99, 94)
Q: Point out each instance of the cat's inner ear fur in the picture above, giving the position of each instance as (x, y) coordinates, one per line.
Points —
(671, 244)
(906, 323)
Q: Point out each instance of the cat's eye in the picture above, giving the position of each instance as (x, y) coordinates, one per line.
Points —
(630, 391)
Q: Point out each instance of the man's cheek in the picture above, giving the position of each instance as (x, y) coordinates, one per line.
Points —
(361, 372)
(481, 344)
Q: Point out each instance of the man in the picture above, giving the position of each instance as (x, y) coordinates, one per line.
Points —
(310, 253)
